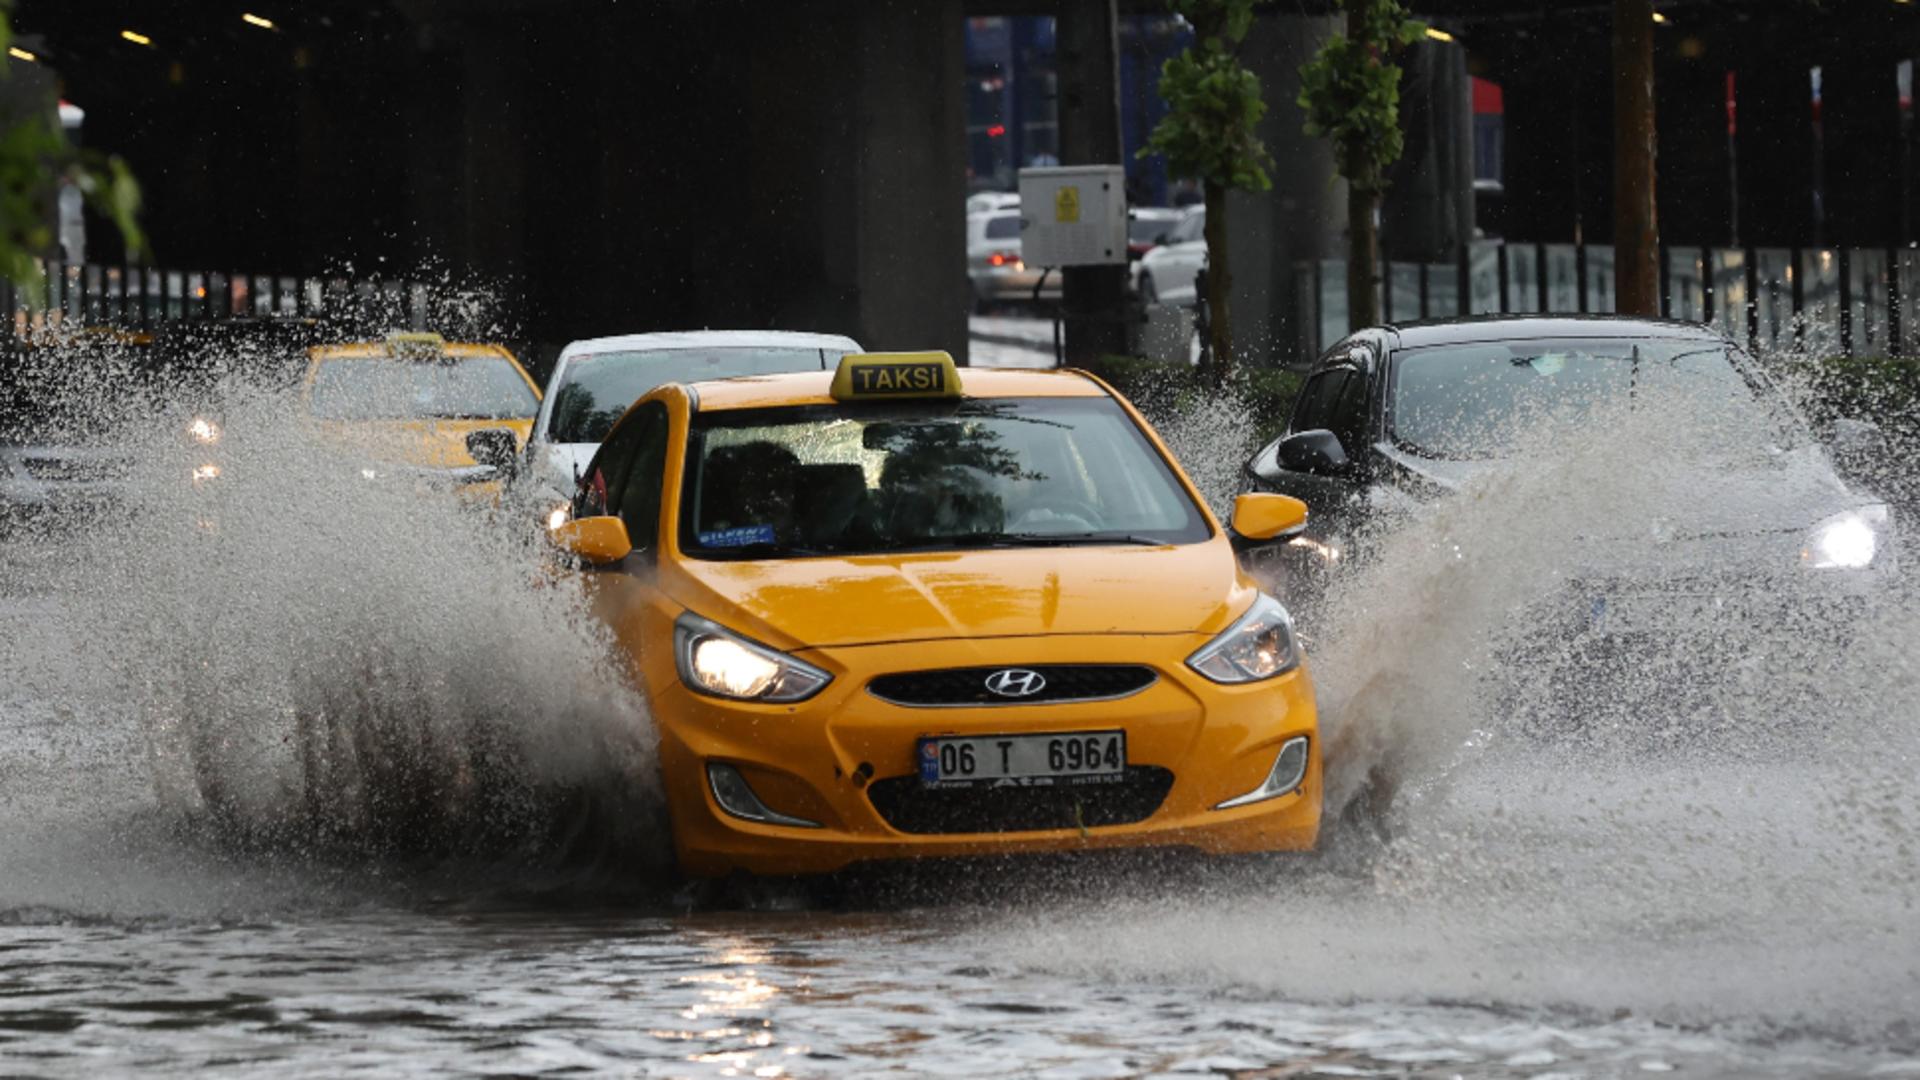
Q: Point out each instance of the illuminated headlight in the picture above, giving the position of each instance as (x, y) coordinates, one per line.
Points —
(716, 661)
(1289, 769)
(559, 515)
(203, 430)
(203, 473)
(1849, 541)
(1259, 645)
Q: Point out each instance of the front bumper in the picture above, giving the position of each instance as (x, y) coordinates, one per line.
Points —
(845, 759)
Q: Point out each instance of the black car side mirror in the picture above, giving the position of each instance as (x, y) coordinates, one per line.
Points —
(1317, 452)
(493, 446)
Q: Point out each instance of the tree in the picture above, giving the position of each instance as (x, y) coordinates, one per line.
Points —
(1213, 106)
(35, 159)
(1351, 93)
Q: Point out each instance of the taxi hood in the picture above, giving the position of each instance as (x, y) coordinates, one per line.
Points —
(863, 600)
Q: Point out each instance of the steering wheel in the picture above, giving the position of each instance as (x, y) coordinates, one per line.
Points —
(1055, 510)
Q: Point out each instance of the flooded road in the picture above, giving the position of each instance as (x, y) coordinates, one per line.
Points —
(323, 778)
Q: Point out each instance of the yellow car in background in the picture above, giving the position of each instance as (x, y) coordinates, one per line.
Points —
(419, 407)
(880, 613)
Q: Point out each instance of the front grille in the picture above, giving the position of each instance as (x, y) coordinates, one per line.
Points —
(910, 807)
(968, 686)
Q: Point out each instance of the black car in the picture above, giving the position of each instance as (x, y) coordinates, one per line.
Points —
(1394, 418)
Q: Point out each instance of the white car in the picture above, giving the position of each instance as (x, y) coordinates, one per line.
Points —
(1166, 274)
(981, 202)
(994, 266)
(594, 381)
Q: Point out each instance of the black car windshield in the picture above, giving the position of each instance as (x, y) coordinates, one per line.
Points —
(378, 388)
(1004, 227)
(930, 475)
(598, 387)
(1472, 400)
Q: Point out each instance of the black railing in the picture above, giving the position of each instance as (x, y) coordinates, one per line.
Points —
(138, 297)
(1853, 301)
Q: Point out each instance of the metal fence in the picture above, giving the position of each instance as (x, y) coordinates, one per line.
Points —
(136, 297)
(1853, 301)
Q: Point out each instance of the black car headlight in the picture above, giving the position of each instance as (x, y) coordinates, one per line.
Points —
(1259, 645)
(718, 662)
(1852, 540)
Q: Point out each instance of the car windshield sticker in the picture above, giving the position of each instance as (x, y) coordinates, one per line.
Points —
(738, 537)
(1549, 363)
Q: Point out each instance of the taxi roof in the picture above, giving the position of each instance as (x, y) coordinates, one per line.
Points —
(378, 350)
(812, 387)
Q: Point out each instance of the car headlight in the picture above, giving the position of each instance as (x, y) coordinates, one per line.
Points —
(559, 515)
(203, 430)
(1846, 541)
(1259, 645)
(714, 660)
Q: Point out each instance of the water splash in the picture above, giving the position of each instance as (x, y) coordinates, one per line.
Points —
(307, 654)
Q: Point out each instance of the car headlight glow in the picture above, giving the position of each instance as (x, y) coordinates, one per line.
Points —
(1846, 541)
(559, 515)
(1259, 645)
(203, 430)
(714, 660)
(203, 473)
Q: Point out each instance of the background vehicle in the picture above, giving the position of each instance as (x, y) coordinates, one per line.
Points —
(984, 201)
(1755, 518)
(994, 265)
(1148, 227)
(595, 380)
(1166, 274)
(442, 413)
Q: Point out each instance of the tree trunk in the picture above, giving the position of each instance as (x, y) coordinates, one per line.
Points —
(1219, 287)
(1636, 265)
(1363, 257)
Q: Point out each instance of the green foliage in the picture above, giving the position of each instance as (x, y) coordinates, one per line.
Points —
(1213, 104)
(1351, 91)
(35, 159)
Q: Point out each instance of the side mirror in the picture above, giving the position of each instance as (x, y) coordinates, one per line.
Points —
(596, 541)
(1261, 516)
(493, 446)
(1318, 452)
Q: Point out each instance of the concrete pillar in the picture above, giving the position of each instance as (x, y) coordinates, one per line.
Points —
(909, 176)
(1300, 219)
(1093, 298)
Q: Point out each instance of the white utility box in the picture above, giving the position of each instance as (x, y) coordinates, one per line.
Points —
(1073, 215)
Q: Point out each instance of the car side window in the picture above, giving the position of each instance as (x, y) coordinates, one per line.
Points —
(607, 472)
(1320, 399)
(639, 501)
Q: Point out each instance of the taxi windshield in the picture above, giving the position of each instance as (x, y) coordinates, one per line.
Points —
(927, 475)
(598, 387)
(1474, 400)
(377, 388)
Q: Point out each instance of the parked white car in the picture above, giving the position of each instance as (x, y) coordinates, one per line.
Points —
(594, 381)
(1166, 274)
(981, 202)
(994, 266)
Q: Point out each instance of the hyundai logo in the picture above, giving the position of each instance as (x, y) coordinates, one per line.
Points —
(1016, 682)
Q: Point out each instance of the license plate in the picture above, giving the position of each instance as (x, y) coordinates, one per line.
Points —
(1079, 757)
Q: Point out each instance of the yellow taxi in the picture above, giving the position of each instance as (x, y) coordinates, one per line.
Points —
(884, 612)
(447, 414)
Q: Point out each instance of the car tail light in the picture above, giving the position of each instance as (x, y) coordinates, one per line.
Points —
(1004, 258)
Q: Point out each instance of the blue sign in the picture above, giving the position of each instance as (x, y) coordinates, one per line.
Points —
(738, 537)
